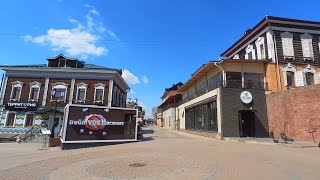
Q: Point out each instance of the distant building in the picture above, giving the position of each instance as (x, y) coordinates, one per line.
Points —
(32, 95)
(167, 110)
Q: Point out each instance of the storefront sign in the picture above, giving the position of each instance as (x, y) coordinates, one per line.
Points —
(246, 97)
(28, 106)
(85, 124)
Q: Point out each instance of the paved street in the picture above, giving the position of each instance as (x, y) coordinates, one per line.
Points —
(163, 155)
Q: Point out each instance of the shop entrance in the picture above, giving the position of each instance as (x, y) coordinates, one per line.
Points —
(247, 123)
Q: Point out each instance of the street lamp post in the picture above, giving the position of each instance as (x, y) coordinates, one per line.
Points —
(53, 97)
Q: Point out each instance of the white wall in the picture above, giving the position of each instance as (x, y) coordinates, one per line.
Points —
(169, 118)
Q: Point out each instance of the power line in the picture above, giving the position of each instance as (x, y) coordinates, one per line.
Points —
(104, 40)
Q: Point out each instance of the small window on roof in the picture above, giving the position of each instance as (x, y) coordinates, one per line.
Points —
(62, 63)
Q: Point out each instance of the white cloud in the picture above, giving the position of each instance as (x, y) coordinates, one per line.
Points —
(145, 79)
(81, 41)
(129, 77)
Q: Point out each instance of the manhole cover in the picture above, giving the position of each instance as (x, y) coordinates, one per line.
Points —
(137, 164)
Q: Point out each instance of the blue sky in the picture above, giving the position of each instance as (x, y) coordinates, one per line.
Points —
(157, 42)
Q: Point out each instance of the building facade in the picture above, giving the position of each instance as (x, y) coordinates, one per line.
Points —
(35, 95)
(292, 46)
(171, 99)
(212, 99)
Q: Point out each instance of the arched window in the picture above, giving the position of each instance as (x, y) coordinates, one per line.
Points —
(34, 91)
(81, 92)
(99, 92)
(59, 91)
(289, 75)
(250, 52)
(16, 91)
(309, 75)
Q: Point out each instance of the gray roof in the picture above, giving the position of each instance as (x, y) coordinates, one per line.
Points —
(86, 66)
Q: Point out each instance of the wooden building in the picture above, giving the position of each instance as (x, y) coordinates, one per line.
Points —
(35, 95)
(291, 46)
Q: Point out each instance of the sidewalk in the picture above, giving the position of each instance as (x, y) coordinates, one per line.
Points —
(269, 141)
(250, 140)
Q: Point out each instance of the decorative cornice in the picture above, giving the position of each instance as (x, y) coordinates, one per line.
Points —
(82, 84)
(60, 83)
(309, 68)
(289, 67)
(35, 83)
(286, 35)
(99, 85)
(17, 82)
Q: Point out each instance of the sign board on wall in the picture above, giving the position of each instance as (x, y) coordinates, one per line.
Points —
(89, 123)
(22, 106)
(246, 97)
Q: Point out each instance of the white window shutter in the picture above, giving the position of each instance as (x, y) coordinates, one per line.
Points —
(317, 78)
(305, 48)
(290, 47)
(299, 78)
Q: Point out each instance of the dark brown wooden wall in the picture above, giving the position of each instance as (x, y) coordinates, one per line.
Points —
(297, 47)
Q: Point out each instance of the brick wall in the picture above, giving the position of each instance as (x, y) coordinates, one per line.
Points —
(295, 107)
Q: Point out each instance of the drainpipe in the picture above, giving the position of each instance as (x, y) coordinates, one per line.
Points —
(276, 56)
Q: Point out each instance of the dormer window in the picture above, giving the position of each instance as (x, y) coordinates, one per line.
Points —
(287, 45)
(59, 91)
(99, 92)
(62, 63)
(234, 57)
(16, 91)
(250, 52)
(34, 91)
(81, 92)
(307, 48)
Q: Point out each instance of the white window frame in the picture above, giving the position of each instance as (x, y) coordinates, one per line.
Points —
(236, 56)
(287, 39)
(306, 43)
(16, 84)
(60, 85)
(25, 119)
(34, 84)
(261, 55)
(289, 68)
(309, 69)
(98, 86)
(250, 49)
(82, 86)
(7, 116)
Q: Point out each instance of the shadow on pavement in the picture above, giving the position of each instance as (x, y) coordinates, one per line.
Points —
(147, 139)
(147, 131)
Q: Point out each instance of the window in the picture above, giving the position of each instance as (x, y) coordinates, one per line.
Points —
(236, 56)
(62, 63)
(290, 78)
(307, 48)
(16, 91)
(287, 45)
(81, 92)
(260, 48)
(99, 95)
(29, 120)
(250, 52)
(309, 78)
(60, 92)
(99, 92)
(10, 119)
(34, 91)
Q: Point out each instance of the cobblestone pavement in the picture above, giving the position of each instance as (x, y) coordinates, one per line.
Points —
(164, 154)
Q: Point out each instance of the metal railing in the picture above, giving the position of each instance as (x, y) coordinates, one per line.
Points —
(226, 84)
